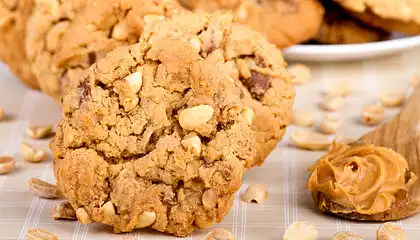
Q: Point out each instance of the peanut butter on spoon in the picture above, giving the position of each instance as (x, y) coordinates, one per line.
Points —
(374, 178)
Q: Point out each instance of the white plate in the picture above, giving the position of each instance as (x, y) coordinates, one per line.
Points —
(350, 52)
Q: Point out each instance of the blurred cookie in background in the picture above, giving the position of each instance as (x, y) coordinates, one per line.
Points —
(338, 27)
(389, 15)
(284, 22)
(13, 17)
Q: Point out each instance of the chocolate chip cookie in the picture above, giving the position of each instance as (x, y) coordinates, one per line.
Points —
(248, 58)
(390, 15)
(284, 22)
(13, 18)
(339, 27)
(153, 136)
(64, 41)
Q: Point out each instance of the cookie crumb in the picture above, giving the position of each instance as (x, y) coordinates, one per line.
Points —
(2, 115)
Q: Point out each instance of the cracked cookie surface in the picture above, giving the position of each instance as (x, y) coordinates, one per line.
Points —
(248, 58)
(14, 15)
(390, 15)
(67, 37)
(153, 136)
(284, 22)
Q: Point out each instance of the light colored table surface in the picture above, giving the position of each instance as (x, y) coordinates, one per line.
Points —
(283, 173)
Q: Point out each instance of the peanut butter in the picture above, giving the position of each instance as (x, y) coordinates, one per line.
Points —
(364, 179)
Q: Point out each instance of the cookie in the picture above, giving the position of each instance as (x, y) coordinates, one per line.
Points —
(13, 17)
(153, 136)
(390, 15)
(284, 22)
(338, 27)
(248, 58)
(72, 35)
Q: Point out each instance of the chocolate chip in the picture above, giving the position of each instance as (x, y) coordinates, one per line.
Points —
(86, 90)
(258, 83)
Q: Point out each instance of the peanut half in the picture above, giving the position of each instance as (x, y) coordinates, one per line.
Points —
(63, 210)
(146, 219)
(255, 193)
(338, 89)
(83, 216)
(43, 189)
(302, 73)
(346, 236)
(40, 132)
(32, 155)
(390, 231)
(330, 124)
(1, 114)
(194, 117)
(311, 140)
(302, 118)
(372, 114)
(331, 103)
(392, 98)
(301, 231)
(41, 234)
(219, 234)
(7, 164)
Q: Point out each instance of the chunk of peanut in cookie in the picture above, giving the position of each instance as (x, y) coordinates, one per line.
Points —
(301, 231)
(41, 234)
(256, 193)
(120, 31)
(345, 235)
(108, 209)
(194, 117)
(219, 234)
(7, 164)
(83, 216)
(302, 74)
(43, 189)
(248, 115)
(152, 17)
(63, 210)
(135, 81)
(390, 231)
(192, 144)
(146, 219)
(196, 43)
(209, 198)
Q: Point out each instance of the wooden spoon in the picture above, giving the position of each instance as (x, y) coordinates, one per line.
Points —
(402, 134)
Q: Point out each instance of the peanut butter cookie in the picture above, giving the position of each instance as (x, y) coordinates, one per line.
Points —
(390, 15)
(248, 58)
(339, 27)
(284, 22)
(65, 40)
(153, 136)
(14, 15)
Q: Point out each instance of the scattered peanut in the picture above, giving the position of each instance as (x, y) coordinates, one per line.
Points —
(255, 193)
(339, 89)
(302, 118)
(390, 231)
(40, 132)
(346, 236)
(32, 155)
(372, 114)
(194, 117)
(196, 43)
(330, 124)
(40, 234)
(135, 81)
(301, 231)
(152, 17)
(43, 189)
(415, 81)
(63, 210)
(192, 144)
(7, 164)
(146, 219)
(311, 140)
(392, 98)
(219, 234)
(248, 115)
(302, 73)
(1, 114)
(83, 216)
(331, 103)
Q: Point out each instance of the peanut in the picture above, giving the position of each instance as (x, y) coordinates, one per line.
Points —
(219, 234)
(390, 231)
(63, 210)
(192, 144)
(43, 189)
(330, 124)
(346, 236)
(392, 98)
(331, 103)
(209, 198)
(338, 89)
(302, 118)
(146, 219)
(7, 164)
(255, 193)
(194, 117)
(40, 234)
(248, 115)
(301, 231)
(120, 32)
(311, 140)
(196, 43)
(1, 114)
(135, 80)
(152, 17)
(40, 132)
(32, 155)
(372, 114)
(83, 216)
(302, 73)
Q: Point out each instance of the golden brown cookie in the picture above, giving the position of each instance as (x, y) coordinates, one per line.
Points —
(248, 58)
(284, 22)
(154, 136)
(65, 40)
(13, 17)
(390, 15)
(339, 27)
